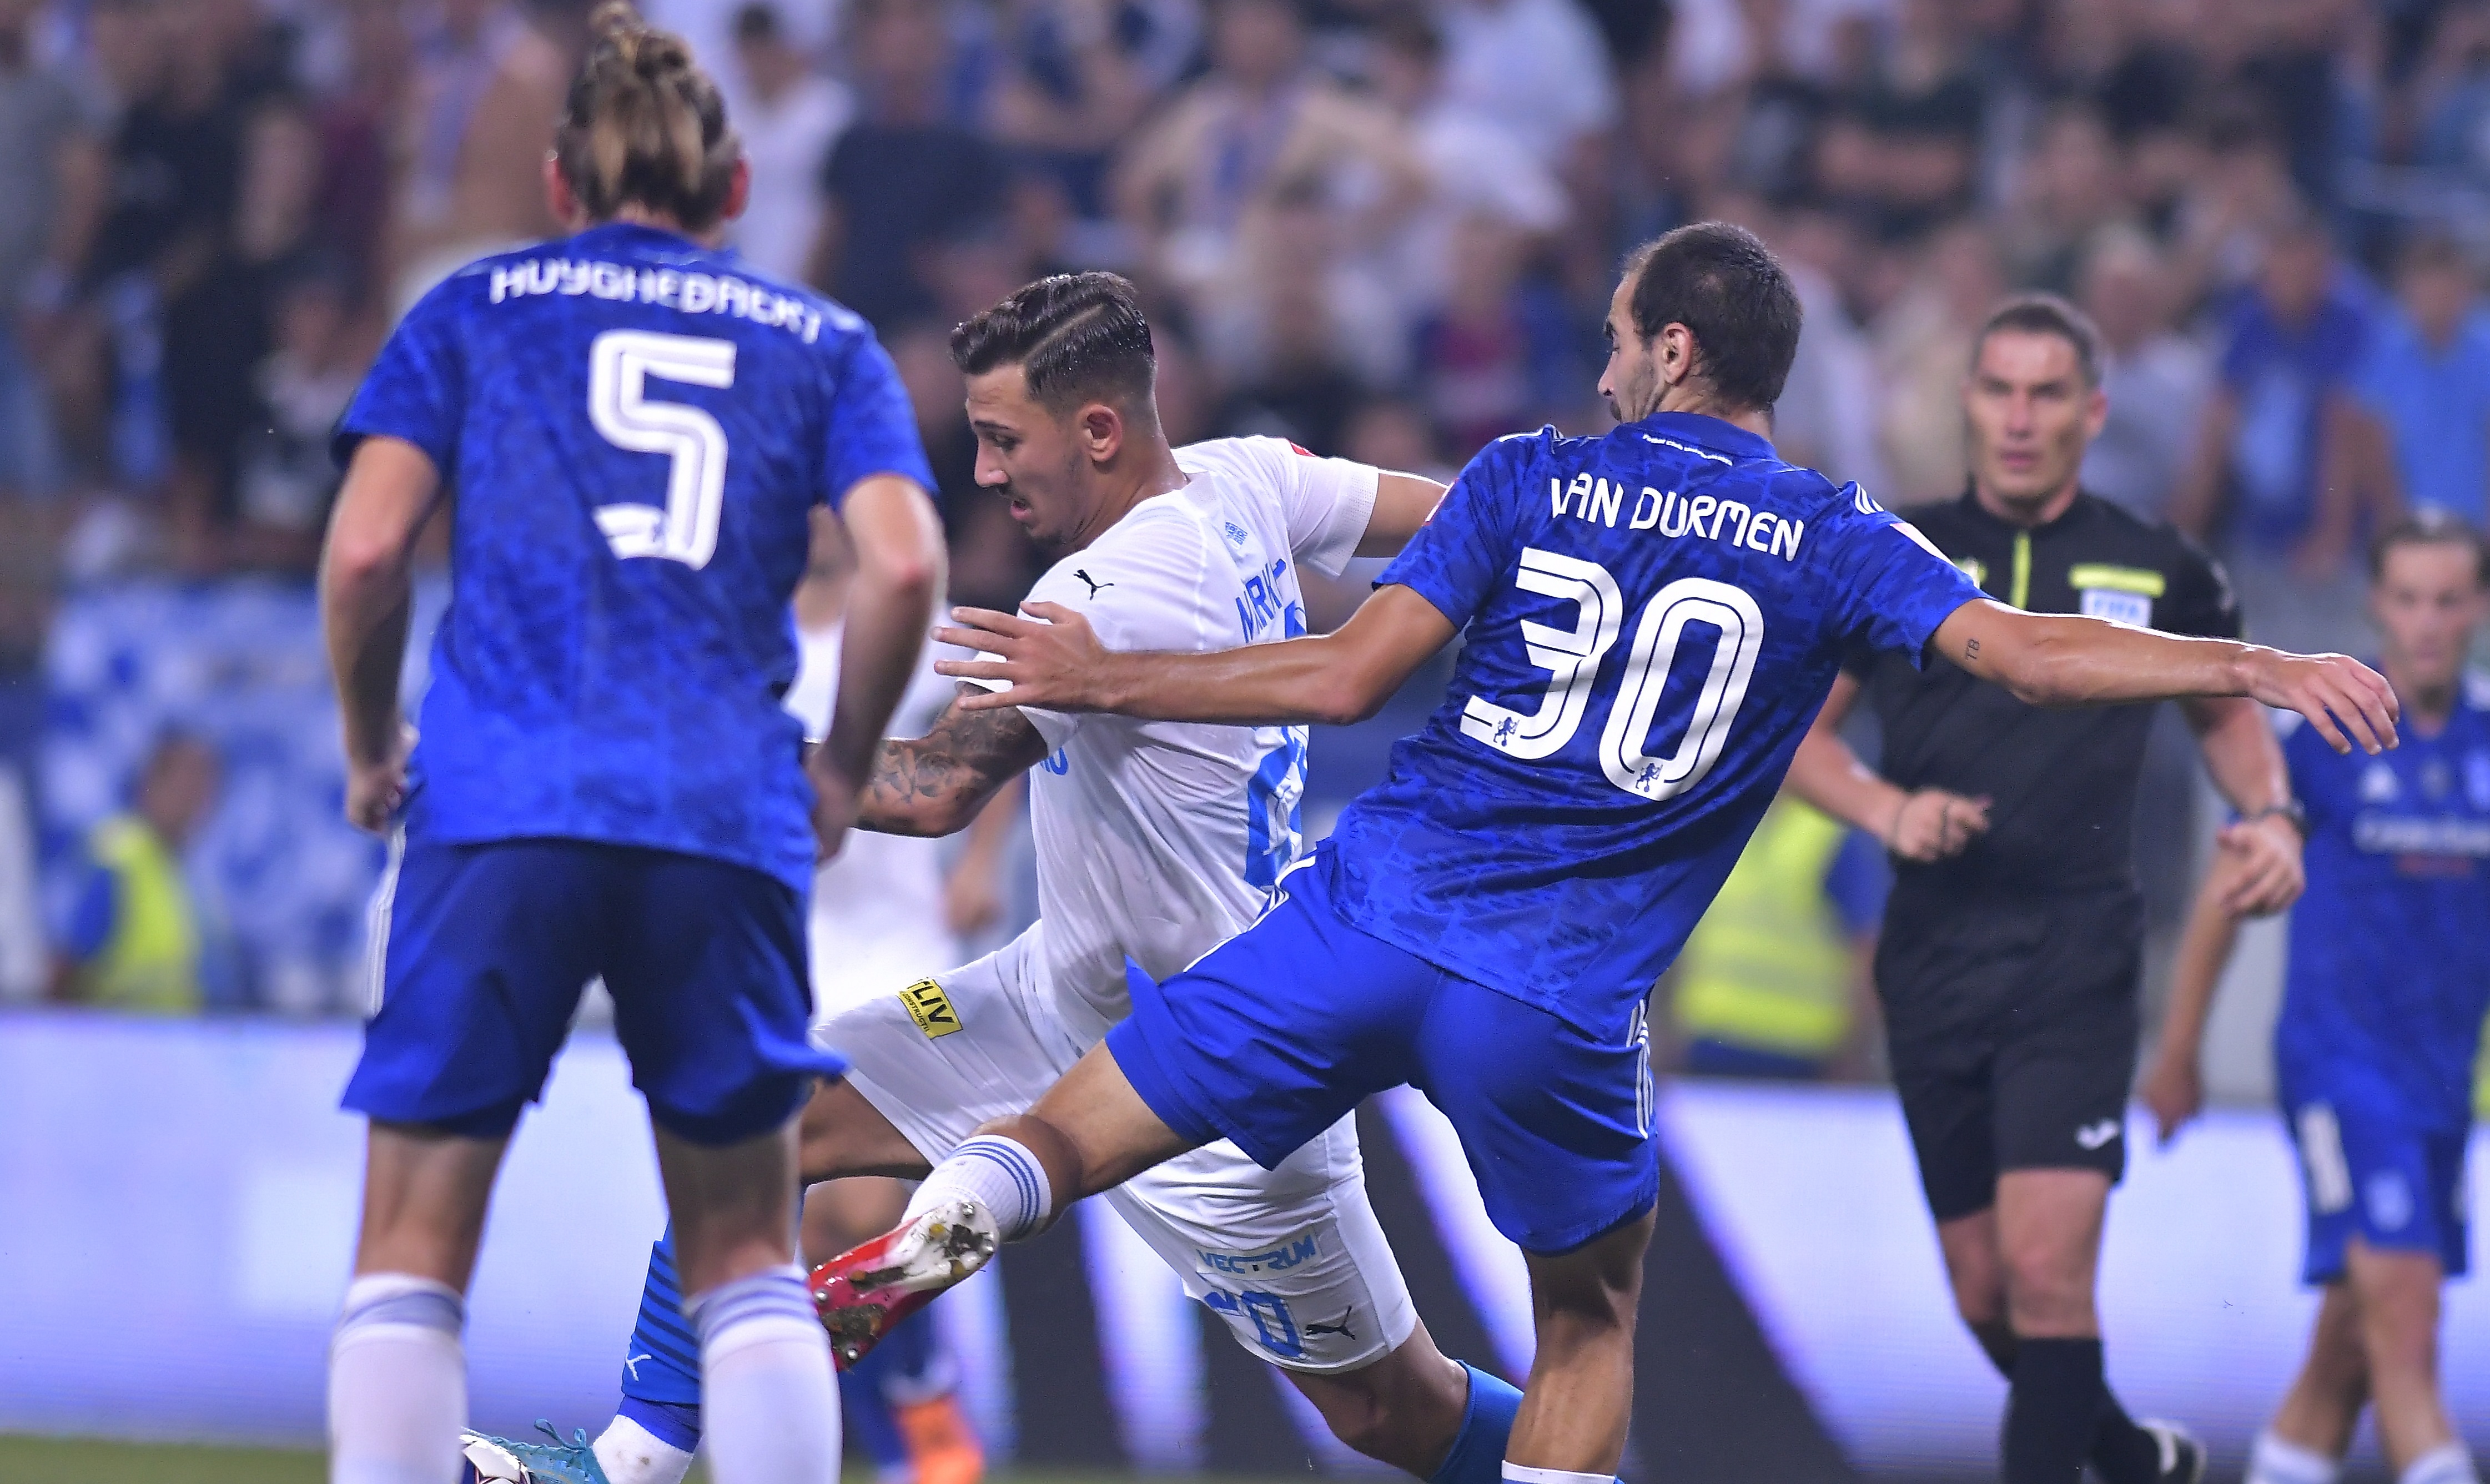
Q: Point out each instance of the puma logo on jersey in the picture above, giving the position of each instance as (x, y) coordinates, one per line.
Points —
(2093, 1136)
(930, 1008)
(1339, 1329)
(1095, 586)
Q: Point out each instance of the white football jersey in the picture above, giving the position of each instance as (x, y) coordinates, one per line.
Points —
(1158, 839)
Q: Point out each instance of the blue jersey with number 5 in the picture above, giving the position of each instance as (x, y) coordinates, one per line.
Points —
(635, 431)
(1654, 618)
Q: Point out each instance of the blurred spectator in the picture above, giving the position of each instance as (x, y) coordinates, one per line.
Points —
(1777, 980)
(2292, 341)
(1905, 146)
(1079, 75)
(488, 92)
(285, 478)
(2425, 384)
(46, 141)
(133, 942)
(1474, 164)
(2070, 190)
(1499, 355)
(2451, 95)
(2157, 380)
(1259, 121)
(788, 116)
(1922, 349)
(1537, 66)
(904, 176)
(993, 562)
(357, 123)
(1296, 330)
(1826, 419)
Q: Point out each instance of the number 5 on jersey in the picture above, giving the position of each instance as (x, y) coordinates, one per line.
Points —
(1572, 657)
(620, 363)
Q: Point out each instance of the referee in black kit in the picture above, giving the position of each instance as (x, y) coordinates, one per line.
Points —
(2014, 938)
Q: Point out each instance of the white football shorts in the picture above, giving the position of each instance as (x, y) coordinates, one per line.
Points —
(1293, 1258)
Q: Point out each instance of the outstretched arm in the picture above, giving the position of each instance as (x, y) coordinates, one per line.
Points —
(1054, 661)
(2058, 659)
(936, 784)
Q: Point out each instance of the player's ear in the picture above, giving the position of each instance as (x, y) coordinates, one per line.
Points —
(1102, 431)
(1672, 353)
(738, 191)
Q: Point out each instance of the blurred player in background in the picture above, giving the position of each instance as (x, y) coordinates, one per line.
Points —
(883, 912)
(2383, 1004)
(1153, 843)
(637, 433)
(2013, 952)
(1487, 924)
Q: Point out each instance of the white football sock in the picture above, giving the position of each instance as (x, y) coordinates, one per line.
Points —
(770, 1405)
(397, 1382)
(1001, 1173)
(631, 1454)
(2276, 1460)
(2450, 1462)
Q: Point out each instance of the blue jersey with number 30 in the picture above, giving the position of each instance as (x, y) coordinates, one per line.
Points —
(1654, 619)
(636, 431)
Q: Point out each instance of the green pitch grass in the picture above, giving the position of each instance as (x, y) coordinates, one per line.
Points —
(80, 1461)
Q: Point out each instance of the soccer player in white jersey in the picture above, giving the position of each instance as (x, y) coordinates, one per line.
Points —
(1154, 843)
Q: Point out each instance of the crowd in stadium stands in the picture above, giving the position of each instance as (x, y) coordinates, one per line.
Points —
(1384, 228)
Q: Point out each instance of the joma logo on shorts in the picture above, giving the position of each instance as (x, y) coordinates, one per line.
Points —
(1286, 1256)
(930, 1008)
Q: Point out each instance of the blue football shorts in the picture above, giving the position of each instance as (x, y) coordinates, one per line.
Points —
(2371, 1169)
(482, 951)
(1275, 1035)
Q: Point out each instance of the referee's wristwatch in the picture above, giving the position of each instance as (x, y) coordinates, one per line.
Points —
(2291, 810)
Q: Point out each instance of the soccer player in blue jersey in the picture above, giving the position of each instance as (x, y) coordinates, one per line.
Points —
(2389, 980)
(635, 431)
(1652, 619)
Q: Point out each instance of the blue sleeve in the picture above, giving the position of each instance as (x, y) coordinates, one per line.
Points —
(90, 924)
(1886, 586)
(415, 390)
(872, 428)
(1465, 552)
(1856, 881)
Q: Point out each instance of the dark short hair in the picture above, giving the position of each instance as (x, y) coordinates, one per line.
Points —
(2433, 251)
(1078, 337)
(2046, 314)
(1732, 294)
(2430, 527)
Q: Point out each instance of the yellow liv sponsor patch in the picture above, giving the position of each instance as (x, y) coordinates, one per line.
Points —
(930, 1008)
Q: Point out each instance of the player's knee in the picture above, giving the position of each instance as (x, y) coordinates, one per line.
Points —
(1979, 1292)
(2048, 1289)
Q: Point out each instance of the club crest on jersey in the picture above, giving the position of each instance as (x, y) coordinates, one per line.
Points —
(930, 1008)
(2378, 783)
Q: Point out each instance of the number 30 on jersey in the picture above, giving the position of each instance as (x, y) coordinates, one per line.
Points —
(1572, 657)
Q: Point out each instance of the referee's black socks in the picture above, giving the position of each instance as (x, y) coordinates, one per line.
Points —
(2058, 1411)
(2050, 1403)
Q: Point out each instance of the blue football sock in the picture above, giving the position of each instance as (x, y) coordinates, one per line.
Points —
(1487, 1422)
(662, 1366)
(868, 1411)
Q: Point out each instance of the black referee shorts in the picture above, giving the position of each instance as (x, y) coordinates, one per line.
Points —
(2013, 1035)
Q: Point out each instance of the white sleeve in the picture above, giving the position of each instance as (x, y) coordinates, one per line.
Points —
(1327, 502)
(1141, 588)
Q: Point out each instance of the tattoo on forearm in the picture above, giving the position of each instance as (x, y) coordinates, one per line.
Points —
(1970, 649)
(966, 756)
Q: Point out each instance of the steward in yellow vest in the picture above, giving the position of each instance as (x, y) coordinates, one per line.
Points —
(1771, 980)
(133, 944)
